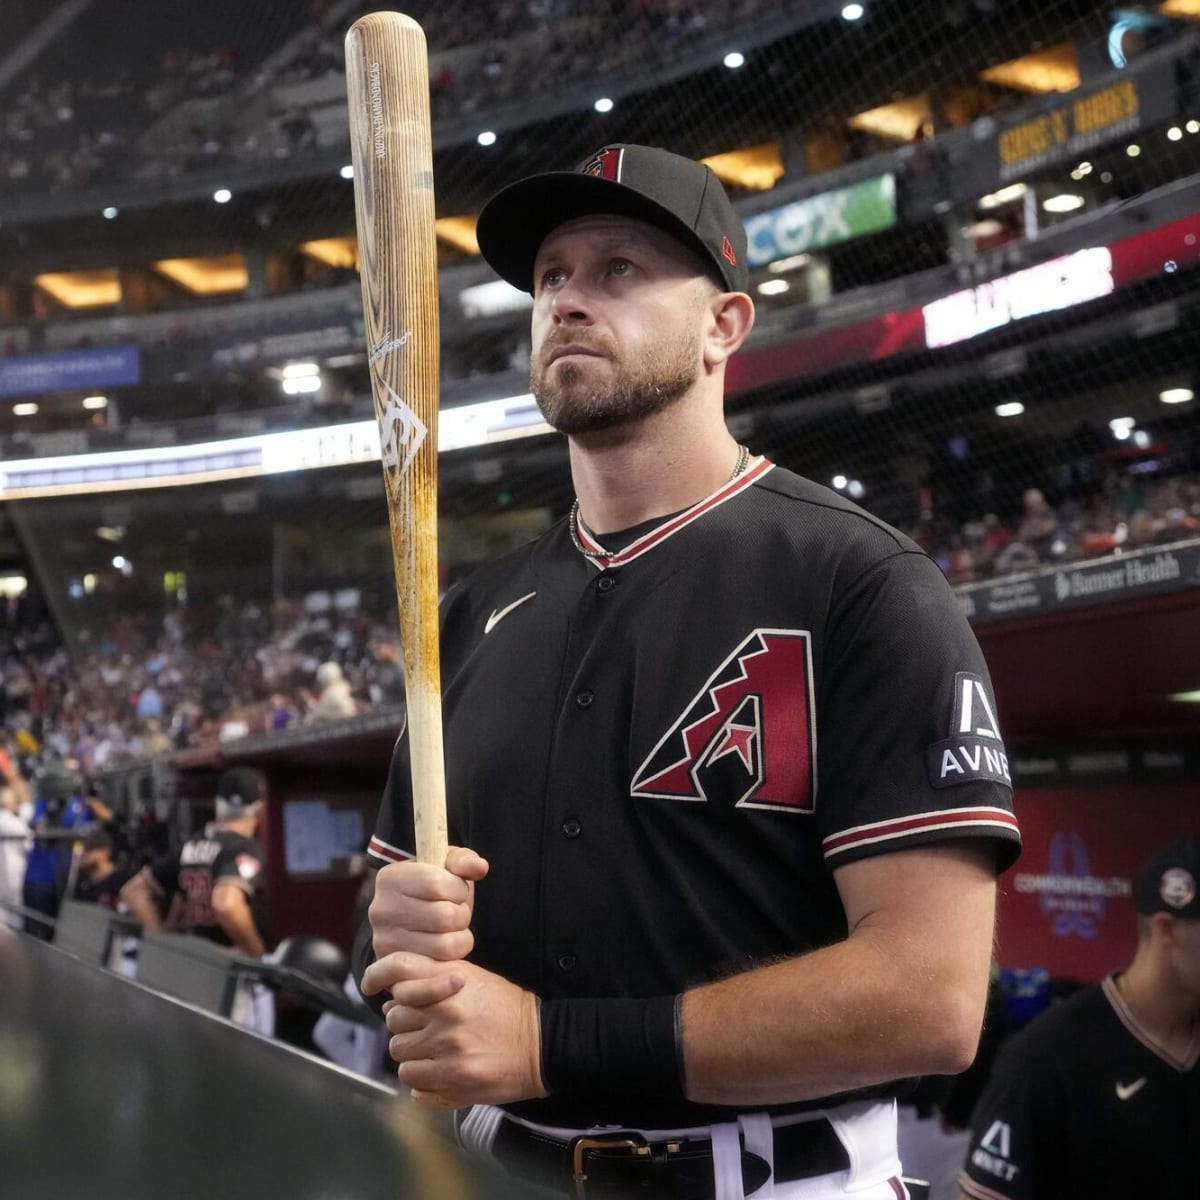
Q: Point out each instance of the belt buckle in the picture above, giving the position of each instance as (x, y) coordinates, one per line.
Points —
(624, 1139)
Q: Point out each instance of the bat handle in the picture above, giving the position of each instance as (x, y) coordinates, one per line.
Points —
(428, 773)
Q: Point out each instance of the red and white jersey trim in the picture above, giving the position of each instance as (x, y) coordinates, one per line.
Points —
(1113, 995)
(388, 853)
(977, 1190)
(657, 536)
(901, 827)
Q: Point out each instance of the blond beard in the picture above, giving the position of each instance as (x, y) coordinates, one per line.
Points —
(572, 404)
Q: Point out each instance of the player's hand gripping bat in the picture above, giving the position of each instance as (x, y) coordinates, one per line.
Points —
(387, 79)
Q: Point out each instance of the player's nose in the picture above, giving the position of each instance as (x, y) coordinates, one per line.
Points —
(571, 305)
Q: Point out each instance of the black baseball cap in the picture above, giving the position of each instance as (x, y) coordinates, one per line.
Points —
(678, 195)
(1167, 880)
(240, 788)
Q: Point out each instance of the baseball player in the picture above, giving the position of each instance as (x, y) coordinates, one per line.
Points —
(1100, 1096)
(216, 878)
(725, 777)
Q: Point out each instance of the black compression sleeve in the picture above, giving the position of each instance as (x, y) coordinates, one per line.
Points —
(612, 1046)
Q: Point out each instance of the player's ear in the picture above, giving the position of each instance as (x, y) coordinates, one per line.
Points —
(732, 316)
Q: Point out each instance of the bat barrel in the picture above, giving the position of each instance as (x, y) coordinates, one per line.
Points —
(387, 78)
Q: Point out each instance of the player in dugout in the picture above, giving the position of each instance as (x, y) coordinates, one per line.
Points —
(725, 779)
(1100, 1096)
(214, 885)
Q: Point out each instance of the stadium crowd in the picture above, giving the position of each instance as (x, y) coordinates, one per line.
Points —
(62, 134)
(1127, 515)
(147, 685)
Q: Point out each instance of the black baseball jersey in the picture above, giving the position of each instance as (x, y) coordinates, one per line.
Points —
(216, 856)
(1084, 1102)
(665, 754)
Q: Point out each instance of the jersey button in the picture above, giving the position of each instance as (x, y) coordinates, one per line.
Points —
(605, 583)
(571, 828)
(566, 962)
(584, 699)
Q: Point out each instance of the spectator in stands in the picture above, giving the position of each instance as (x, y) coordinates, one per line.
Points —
(282, 715)
(335, 700)
(385, 675)
(14, 846)
(149, 703)
(58, 808)
(100, 878)
(1039, 525)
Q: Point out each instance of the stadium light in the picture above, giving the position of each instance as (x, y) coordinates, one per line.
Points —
(773, 287)
(1178, 395)
(347, 172)
(793, 262)
(486, 138)
(1014, 408)
(856, 489)
(734, 59)
(28, 409)
(298, 370)
(1122, 427)
(1175, 134)
(222, 196)
(1005, 195)
(1064, 203)
(839, 482)
(1141, 439)
(1133, 150)
(109, 213)
(302, 385)
(1193, 126)
(853, 12)
(119, 561)
(603, 105)
(95, 402)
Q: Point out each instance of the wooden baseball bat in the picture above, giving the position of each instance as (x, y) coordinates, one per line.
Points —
(387, 80)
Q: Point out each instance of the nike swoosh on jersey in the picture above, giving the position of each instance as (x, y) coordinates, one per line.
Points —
(1125, 1090)
(499, 614)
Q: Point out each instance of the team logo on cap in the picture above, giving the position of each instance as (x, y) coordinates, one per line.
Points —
(1177, 887)
(606, 165)
(248, 866)
(727, 252)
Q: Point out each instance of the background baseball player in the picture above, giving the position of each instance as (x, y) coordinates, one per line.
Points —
(216, 877)
(723, 748)
(1101, 1095)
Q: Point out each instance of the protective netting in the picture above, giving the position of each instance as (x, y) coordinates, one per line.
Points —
(973, 238)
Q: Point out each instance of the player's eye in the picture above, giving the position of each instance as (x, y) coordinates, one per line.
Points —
(620, 266)
(553, 277)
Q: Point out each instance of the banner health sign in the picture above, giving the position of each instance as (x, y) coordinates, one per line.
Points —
(822, 220)
(33, 374)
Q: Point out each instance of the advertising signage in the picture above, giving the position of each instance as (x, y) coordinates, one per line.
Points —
(823, 220)
(1130, 576)
(34, 374)
(1076, 127)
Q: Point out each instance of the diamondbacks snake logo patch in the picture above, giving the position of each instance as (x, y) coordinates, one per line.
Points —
(750, 733)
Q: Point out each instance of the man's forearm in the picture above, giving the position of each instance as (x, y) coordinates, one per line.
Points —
(884, 1004)
(833, 1021)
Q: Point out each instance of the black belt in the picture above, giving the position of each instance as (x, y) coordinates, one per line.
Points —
(614, 1165)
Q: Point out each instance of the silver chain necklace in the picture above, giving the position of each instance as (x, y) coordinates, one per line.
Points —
(573, 520)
